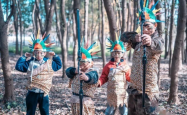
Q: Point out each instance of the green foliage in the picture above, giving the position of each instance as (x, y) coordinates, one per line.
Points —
(10, 105)
(56, 49)
(13, 50)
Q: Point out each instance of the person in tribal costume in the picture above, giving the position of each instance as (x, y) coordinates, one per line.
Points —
(154, 48)
(116, 72)
(40, 72)
(89, 75)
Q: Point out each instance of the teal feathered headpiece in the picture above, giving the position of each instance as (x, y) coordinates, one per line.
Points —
(149, 12)
(39, 44)
(87, 53)
(116, 46)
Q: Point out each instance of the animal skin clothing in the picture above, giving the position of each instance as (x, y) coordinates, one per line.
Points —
(88, 87)
(117, 75)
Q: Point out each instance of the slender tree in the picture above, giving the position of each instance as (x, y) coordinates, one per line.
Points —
(92, 26)
(9, 87)
(64, 38)
(159, 25)
(99, 20)
(166, 28)
(111, 19)
(15, 15)
(103, 34)
(186, 37)
(171, 36)
(173, 97)
(86, 3)
(123, 15)
(62, 31)
(75, 47)
(135, 17)
(128, 17)
(20, 22)
(159, 29)
(49, 16)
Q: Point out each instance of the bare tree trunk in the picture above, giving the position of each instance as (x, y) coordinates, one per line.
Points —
(166, 29)
(103, 34)
(9, 87)
(186, 41)
(123, 15)
(99, 20)
(86, 2)
(171, 36)
(128, 25)
(92, 27)
(20, 17)
(49, 18)
(7, 4)
(173, 97)
(186, 37)
(34, 20)
(128, 18)
(47, 8)
(135, 11)
(67, 38)
(119, 14)
(159, 25)
(16, 27)
(63, 32)
(111, 19)
(58, 25)
(24, 37)
(182, 52)
(38, 21)
(159, 28)
(131, 16)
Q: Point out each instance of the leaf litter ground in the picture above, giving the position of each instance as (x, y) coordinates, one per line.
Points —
(60, 94)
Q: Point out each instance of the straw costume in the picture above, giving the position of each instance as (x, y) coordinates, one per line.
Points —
(89, 86)
(154, 48)
(40, 73)
(116, 74)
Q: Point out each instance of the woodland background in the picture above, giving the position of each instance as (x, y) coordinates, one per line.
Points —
(99, 19)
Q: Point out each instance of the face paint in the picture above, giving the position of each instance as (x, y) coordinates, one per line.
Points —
(117, 54)
(39, 54)
(148, 28)
(84, 66)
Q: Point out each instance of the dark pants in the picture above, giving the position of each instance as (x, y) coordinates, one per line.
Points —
(135, 105)
(32, 99)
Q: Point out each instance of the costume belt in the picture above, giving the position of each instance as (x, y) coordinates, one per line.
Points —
(78, 94)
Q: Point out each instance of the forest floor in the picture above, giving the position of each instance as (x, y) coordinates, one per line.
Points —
(60, 95)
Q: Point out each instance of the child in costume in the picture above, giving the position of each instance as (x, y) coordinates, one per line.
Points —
(154, 48)
(89, 76)
(40, 72)
(116, 73)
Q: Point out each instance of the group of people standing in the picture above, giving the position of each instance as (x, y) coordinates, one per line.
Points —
(116, 73)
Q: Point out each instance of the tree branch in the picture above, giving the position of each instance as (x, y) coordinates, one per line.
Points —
(11, 13)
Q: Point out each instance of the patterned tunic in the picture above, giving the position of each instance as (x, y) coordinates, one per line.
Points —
(117, 76)
(153, 53)
(116, 87)
(89, 88)
(42, 77)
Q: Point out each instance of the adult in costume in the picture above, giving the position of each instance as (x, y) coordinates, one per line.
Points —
(154, 47)
(116, 72)
(40, 72)
(89, 75)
